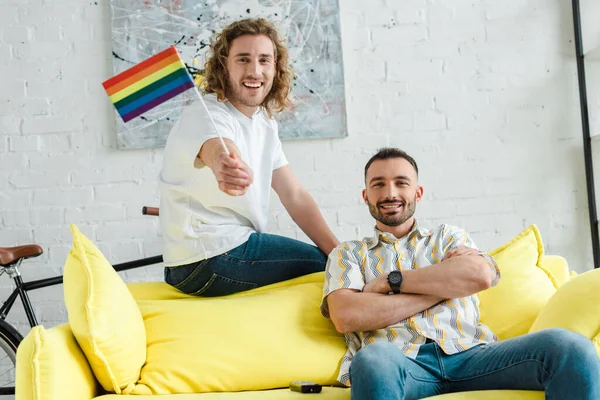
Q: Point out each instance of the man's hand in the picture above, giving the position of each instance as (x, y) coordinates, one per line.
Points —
(233, 175)
(460, 251)
(378, 285)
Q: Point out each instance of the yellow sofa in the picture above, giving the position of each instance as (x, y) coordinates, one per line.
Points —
(147, 339)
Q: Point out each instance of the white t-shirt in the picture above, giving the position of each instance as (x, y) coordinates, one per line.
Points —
(198, 220)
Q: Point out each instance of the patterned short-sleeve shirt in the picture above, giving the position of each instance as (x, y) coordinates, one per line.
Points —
(453, 324)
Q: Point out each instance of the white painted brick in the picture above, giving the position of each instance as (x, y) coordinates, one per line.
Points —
(370, 66)
(13, 162)
(389, 37)
(116, 231)
(123, 251)
(408, 13)
(105, 212)
(42, 51)
(55, 143)
(15, 236)
(17, 34)
(22, 144)
(47, 216)
(352, 26)
(39, 179)
(8, 198)
(15, 217)
(57, 253)
(429, 121)
(84, 141)
(152, 248)
(9, 15)
(50, 124)
(3, 144)
(48, 32)
(63, 197)
(12, 89)
(334, 199)
(37, 87)
(122, 192)
(29, 107)
(401, 71)
(75, 31)
(52, 234)
(355, 215)
(57, 162)
(380, 17)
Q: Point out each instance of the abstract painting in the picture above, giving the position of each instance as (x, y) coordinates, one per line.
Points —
(142, 28)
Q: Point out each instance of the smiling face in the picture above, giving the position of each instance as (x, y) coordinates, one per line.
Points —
(251, 67)
(392, 192)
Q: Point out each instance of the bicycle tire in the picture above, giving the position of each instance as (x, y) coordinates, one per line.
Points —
(10, 338)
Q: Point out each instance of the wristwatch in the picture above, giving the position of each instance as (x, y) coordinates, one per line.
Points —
(395, 280)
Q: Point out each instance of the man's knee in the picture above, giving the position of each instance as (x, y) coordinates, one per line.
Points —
(570, 347)
(378, 356)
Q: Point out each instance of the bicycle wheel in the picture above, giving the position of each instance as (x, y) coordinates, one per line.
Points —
(9, 341)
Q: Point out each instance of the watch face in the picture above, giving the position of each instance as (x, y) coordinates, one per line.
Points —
(395, 277)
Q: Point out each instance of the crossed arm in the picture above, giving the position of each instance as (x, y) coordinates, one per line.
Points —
(463, 272)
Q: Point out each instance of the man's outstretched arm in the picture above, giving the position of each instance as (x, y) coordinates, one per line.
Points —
(354, 311)
(303, 209)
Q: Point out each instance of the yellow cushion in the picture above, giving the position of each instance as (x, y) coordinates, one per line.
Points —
(510, 308)
(50, 365)
(558, 268)
(104, 317)
(328, 393)
(255, 341)
(333, 393)
(576, 306)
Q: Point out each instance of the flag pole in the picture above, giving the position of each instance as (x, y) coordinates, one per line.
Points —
(208, 112)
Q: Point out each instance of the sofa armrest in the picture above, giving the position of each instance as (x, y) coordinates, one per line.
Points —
(557, 266)
(51, 366)
(575, 306)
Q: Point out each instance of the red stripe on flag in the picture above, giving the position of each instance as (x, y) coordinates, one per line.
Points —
(139, 67)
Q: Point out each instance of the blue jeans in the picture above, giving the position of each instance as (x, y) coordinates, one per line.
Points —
(262, 260)
(563, 363)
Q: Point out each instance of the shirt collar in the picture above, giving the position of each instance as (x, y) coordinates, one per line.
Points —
(388, 237)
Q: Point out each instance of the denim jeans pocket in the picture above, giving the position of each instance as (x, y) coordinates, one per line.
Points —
(184, 276)
(218, 285)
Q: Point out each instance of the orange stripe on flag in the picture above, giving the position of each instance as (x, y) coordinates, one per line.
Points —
(142, 74)
(139, 67)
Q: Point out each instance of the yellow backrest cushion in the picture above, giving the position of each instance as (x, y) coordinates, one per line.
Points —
(104, 317)
(253, 341)
(510, 308)
(51, 366)
(575, 306)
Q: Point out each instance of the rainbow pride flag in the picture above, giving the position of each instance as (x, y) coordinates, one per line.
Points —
(148, 84)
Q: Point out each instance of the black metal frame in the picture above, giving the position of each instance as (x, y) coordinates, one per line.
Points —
(23, 287)
(587, 141)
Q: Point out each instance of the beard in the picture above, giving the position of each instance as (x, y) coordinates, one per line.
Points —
(235, 91)
(395, 219)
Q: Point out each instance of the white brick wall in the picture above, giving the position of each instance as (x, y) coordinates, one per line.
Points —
(482, 93)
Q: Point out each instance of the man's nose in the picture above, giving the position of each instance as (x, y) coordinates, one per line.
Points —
(254, 69)
(391, 192)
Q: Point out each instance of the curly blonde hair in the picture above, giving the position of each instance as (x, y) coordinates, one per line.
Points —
(215, 69)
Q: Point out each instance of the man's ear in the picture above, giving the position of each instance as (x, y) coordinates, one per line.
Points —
(419, 194)
(364, 196)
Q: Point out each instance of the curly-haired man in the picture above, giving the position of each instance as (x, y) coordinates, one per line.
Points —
(214, 205)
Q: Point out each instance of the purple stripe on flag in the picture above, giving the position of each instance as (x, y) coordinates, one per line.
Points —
(157, 101)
